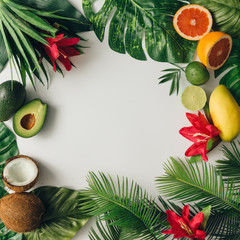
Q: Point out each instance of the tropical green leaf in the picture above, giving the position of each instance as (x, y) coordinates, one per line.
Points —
(66, 10)
(3, 55)
(188, 182)
(22, 25)
(8, 144)
(63, 217)
(35, 20)
(231, 71)
(225, 14)
(174, 75)
(230, 165)
(126, 205)
(136, 20)
(105, 231)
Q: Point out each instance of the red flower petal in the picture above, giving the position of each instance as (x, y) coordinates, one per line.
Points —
(175, 222)
(47, 50)
(54, 51)
(58, 37)
(193, 134)
(213, 130)
(195, 222)
(201, 235)
(66, 62)
(170, 231)
(196, 149)
(69, 51)
(202, 119)
(185, 214)
(68, 42)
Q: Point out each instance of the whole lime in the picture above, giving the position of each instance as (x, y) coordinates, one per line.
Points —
(196, 73)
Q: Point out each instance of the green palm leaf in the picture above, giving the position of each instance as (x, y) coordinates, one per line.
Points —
(125, 205)
(230, 166)
(135, 20)
(225, 15)
(188, 182)
(106, 231)
(231, 71)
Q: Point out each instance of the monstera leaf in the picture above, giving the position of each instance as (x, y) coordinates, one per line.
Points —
(231, 71)
(63, 8)
(3, 55)
(8, 144)
(225, 14)
(63, 216)
(136, 20)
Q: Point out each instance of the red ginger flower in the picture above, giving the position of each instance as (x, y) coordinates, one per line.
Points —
(61, 48)
(183, 227)
(200, 133)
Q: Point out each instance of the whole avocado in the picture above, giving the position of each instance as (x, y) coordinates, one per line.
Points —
(12, 97)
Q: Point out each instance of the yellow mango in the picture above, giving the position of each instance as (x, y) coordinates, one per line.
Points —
(225, 113)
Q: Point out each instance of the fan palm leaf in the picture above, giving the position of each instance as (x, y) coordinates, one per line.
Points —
(188, 182)
(136, 20)
(125, 205)
(230, 166)
(230, 72)
(225, 15)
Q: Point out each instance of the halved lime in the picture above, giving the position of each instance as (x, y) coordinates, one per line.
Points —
(194, 98)
(196, 73)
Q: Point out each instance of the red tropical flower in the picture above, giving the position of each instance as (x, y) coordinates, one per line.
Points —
(183, 227)
(61, 48)
(200, 133)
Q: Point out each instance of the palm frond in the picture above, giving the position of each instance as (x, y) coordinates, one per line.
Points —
(106, 231)
(188, 182)
(126, 205)
(174, 75)
(230, 166)
(222, 226)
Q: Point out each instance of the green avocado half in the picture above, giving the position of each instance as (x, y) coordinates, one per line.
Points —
(29, 119)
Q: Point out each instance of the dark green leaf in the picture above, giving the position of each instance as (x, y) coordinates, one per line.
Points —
(174, 75)
(63, 217)
(231, 71)
(33, 19)
(3, 55)
(133, 20)
(67, 10)
(225, 14)
(8, 144)
(230, 165)
(188, 182)
(126, 205)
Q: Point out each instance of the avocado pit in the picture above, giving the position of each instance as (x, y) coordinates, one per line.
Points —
(28, 121)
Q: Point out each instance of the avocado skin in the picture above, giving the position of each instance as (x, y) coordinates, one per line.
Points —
(38, 109)
(12, 97)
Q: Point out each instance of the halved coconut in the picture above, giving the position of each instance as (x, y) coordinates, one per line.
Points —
(20, 173)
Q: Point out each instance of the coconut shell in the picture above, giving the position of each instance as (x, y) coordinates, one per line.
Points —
(20, 188)
(21, 212)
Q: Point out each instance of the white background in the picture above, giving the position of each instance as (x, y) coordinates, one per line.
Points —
(109, 114)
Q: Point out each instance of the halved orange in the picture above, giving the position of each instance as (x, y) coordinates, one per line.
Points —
(214, 49)
(192, 22)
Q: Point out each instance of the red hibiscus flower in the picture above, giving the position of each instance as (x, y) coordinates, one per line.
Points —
(61, 48)
(183, 227)
(200, 133)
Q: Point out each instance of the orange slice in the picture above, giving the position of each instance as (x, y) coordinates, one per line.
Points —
(214, 49)
(192, 22)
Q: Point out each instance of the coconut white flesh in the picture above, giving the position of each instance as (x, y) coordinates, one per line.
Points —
(20, 172)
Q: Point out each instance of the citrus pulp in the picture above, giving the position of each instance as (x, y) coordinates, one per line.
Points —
(214, 49)
(194, 98)
(192, 21)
